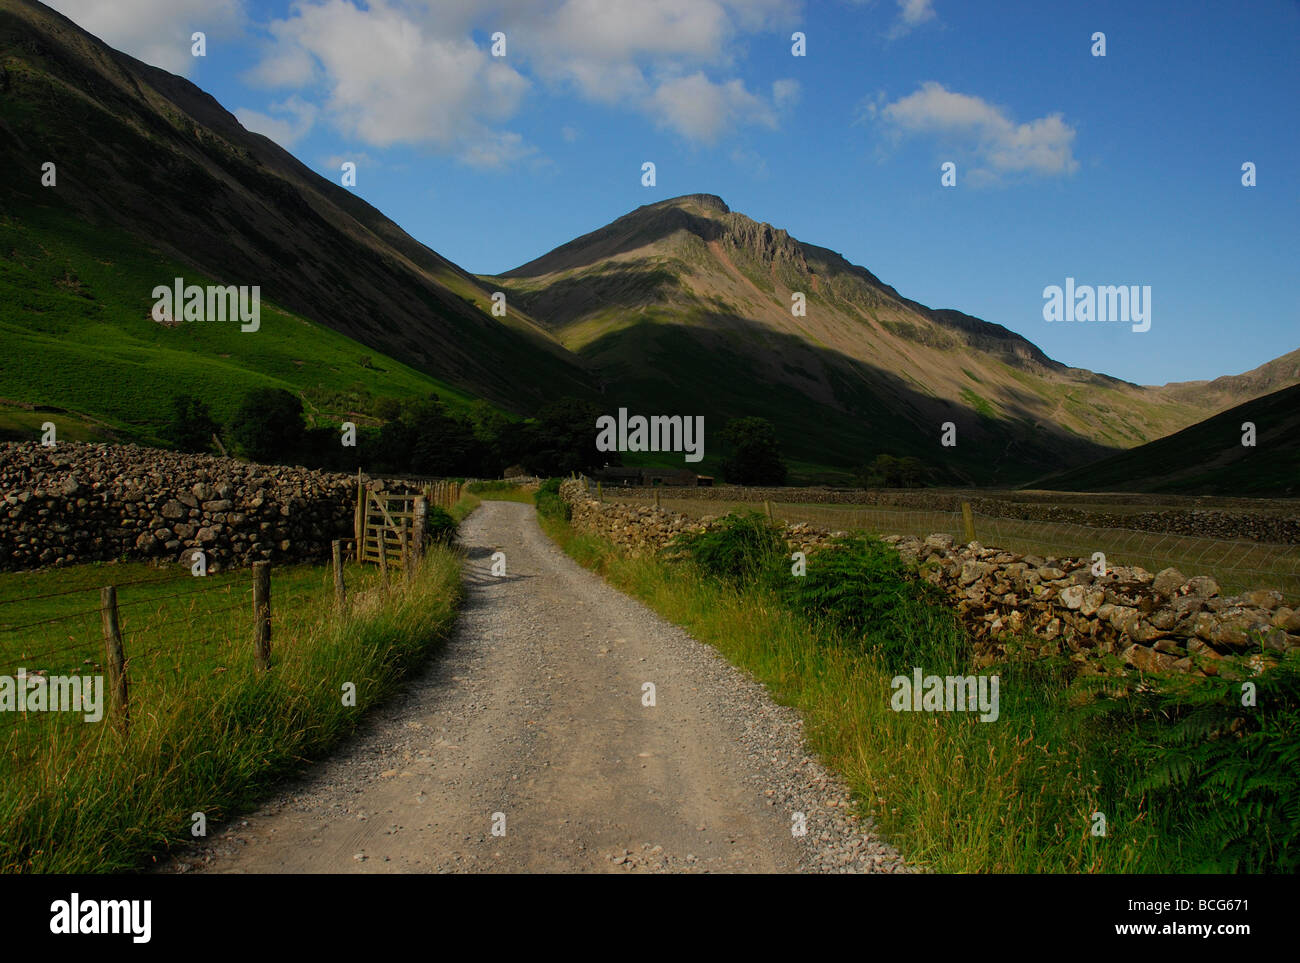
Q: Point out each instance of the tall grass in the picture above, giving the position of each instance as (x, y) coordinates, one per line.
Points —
(90, 798)
(953, 793)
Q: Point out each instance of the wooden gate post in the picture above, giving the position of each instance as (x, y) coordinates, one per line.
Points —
(359, 519)
(968, 520)
(421, 524)
(340, 589)
(116, 661)
(262, 614)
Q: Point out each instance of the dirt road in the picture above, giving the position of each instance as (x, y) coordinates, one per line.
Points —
(532, 722)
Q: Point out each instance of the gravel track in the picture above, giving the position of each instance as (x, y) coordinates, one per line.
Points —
(534, 710)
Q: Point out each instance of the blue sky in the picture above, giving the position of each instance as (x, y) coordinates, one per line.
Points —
(1122, 169)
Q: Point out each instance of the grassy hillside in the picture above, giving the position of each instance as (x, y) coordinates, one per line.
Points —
(155, 180)
(1208, 458)
(78, 335)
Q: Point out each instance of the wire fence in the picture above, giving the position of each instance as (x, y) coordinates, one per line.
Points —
(131, 637)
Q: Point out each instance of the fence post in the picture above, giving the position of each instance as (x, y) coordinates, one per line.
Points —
(421, 521)
(359, 518)
(383, 555)
(656, 498)
(116, 657)
(767, 507)
(262, 614)
(968, 520)
(405, 547)
(340, 588)
(600, 492)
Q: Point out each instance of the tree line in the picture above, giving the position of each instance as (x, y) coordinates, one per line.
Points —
(423, 436)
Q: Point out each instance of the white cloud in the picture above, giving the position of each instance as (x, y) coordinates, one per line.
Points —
(911, 14)
(495, 149)
(155, 31)
(409, 71)
(702, 110)
(389, 80)
(785, 93)
(998, 144)
(284, 130)
(651, 56)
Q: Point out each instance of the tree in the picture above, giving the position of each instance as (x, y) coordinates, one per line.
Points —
(886, 471)
(563, 439)
(191, 425)
(426, 439)
(268, 425)
(753, 453)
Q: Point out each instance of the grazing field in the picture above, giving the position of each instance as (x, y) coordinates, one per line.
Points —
(1238, 565)
(207, 730)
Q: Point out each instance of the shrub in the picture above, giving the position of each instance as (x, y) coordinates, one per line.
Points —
(268, 427)
(860, 587)
(191, 426)
(548, 501)
(754, 456)
(1230, 769)
(439, 526)
(739, 548)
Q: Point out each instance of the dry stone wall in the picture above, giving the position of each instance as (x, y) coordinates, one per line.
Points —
(94, 502)
(1280, 529)
(1163, 621)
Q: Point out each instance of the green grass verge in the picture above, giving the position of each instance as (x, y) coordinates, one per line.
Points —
(208, 733)
(500, 491)
(953, 793)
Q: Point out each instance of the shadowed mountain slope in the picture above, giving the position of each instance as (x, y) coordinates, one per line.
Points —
(1208, 458)
(686, 306)
(144, 155)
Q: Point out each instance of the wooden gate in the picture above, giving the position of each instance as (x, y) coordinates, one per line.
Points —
(390, 528)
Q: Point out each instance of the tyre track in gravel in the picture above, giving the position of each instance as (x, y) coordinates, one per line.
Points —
(534, 710)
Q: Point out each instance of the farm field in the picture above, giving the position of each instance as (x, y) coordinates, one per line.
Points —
(1237, 564)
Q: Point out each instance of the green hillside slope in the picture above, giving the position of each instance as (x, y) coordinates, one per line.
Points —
(77, 333)
(1208, 458)
(148, 162)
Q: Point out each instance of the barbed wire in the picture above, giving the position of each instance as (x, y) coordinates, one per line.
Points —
(178, 595)
(94, 588)
(50, 621)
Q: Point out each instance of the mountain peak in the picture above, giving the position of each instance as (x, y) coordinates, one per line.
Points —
(710, 202)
